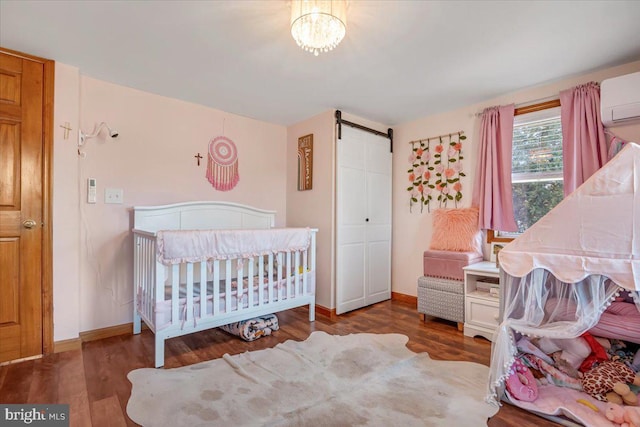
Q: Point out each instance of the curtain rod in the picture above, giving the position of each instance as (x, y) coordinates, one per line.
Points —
(459, 133)
(534, 105)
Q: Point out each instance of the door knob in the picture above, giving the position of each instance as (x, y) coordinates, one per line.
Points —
(29, 223)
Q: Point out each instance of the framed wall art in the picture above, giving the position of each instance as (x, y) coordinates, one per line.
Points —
(305, 162)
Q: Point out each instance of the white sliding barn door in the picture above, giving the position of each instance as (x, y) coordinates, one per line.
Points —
(363, 217)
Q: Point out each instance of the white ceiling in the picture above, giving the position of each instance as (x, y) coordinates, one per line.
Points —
(400, 60)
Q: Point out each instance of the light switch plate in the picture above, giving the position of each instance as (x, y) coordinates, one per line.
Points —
(114, 195)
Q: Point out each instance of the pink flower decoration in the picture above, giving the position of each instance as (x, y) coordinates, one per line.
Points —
(419, 152)
(439, 168)
(412, 177)
(415, 194)
(445, 190)
(419, 170)
(458, 146)
(420, 188)
(440, 186)
(449, 173)
(426, 156)
(457, 187)
(427, 191)
(452, 152)
(438, 148)
(412, 157)
(427, 175)
(457, 166)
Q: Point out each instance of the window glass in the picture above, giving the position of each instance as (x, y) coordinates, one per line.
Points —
(536, 166)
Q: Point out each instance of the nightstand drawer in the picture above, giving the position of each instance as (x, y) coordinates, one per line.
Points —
(482, 312)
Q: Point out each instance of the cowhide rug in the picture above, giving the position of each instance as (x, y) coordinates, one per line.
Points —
(326, 380)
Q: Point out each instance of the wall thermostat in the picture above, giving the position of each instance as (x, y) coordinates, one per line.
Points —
(91, 190)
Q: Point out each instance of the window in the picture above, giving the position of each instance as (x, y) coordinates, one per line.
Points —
(536, 166)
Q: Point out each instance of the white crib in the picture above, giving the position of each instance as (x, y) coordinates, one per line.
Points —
(190, 296)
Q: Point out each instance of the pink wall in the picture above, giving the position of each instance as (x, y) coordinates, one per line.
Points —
(314, 208)
(66, 216)
(153, 162)
(412, 231)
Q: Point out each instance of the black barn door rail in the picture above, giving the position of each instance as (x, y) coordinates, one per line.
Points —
(341, 122)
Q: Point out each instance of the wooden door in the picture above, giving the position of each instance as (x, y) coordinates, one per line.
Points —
(363, 218)
(24, 239)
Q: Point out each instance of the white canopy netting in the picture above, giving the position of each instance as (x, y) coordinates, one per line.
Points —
(561, 275)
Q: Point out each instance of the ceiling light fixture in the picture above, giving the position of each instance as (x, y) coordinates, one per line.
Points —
(318, 25)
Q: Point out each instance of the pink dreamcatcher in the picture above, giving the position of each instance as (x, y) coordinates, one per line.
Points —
(222, 164)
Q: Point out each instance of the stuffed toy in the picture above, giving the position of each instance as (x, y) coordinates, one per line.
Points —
(625, 416)
(607, 382)
(521, 383)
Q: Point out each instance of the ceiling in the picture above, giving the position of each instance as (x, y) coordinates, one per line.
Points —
(400, 60)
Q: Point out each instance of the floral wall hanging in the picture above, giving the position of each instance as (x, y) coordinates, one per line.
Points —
(436, 169)
(222, 164)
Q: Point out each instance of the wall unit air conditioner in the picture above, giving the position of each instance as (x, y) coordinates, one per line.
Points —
(620, 99)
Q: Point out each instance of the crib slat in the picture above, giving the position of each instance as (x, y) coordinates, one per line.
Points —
(260, 279)
(203, 289)
(189, 314)
(159, 284)
(305, 267)
(270, 278)
(297, 274)
(149, 279)
(280, 287)
(288, 272)
(215, 304)
(240, 293)
(175, 293)
(250, 292)
(228, 299)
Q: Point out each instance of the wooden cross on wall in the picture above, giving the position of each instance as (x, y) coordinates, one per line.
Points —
(67, 128)
(198, 157)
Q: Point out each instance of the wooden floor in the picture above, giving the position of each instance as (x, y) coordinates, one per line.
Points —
(94, 380)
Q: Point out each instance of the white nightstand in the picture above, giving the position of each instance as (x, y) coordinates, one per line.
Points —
(482, 305)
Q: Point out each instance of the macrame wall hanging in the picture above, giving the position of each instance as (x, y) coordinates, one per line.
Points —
(436, 170)
(222, 163)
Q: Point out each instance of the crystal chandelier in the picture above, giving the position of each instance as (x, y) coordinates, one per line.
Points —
(318, 25)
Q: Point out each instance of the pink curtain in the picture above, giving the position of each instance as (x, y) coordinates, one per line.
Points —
(584, 147)
(492, 189)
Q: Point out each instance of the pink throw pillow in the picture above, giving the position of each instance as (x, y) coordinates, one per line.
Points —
(456, 230)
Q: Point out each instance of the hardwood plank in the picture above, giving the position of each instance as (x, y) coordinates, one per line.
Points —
(93, 380)
(72, 387)
(17, 381)
(44, 381)
(106, 412)
(3, 374)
